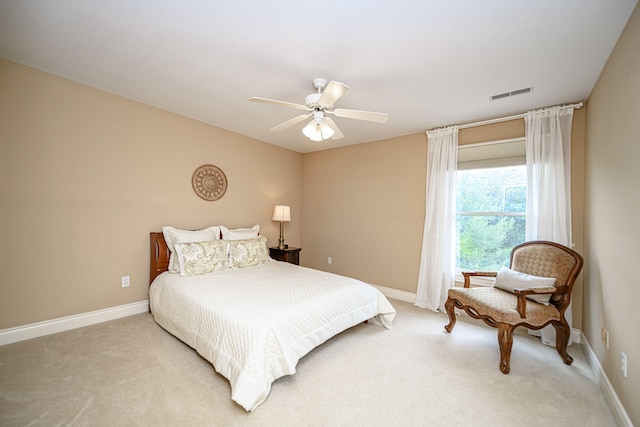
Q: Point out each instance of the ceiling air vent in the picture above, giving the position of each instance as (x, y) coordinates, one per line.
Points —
(512, 93)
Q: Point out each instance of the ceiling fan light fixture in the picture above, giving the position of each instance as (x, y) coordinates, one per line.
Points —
(317, 131)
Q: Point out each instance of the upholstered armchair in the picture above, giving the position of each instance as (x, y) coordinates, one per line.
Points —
(533, 293)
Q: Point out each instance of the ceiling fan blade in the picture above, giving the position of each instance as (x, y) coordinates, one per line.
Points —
(281, 103)
(290, 122)
(332, 93)
(369, 116)
(338, 134)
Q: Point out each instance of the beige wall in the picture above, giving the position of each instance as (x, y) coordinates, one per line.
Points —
(364, 205)
(612, 289)
(86, 175)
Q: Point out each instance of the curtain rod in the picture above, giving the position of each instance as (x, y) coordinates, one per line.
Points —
(505, 119)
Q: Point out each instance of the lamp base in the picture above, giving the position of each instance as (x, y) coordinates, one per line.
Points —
(281, 244)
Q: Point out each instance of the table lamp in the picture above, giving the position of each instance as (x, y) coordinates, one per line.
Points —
(281, 213)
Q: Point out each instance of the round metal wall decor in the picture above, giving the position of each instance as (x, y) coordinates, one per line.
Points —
(209, 182)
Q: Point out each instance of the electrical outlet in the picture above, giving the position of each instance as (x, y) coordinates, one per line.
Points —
(329, 260)
(623, 364)
(125, 281)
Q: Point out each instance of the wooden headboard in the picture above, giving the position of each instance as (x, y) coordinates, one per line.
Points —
(159, 255)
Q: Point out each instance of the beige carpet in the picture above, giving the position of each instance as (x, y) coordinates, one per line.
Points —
(131, 372)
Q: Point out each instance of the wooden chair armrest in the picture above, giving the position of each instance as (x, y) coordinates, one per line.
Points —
(469, 274)
(521, 294)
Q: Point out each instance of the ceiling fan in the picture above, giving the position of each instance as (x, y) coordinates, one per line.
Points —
(318, 106)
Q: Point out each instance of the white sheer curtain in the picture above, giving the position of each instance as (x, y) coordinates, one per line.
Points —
(548, 157)
(437, 262)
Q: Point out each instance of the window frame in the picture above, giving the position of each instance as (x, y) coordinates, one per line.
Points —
(485, 164)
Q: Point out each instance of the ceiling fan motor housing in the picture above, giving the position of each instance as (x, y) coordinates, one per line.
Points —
(311, 100)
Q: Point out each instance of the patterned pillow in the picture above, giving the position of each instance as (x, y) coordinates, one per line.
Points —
(246, 252)
(508, 280)
(202, 257)
(173, 236)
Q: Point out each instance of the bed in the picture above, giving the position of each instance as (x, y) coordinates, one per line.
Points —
(254, 324)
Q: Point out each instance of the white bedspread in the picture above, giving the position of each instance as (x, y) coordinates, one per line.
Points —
(255, 323)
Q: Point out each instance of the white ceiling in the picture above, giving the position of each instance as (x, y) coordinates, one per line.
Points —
(427, 63)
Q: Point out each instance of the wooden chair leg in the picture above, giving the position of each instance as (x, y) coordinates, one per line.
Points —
(505, 340)
(450, 308)
(562, 340)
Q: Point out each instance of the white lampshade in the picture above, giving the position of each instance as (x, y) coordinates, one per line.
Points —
(318, 131)
(281, 213)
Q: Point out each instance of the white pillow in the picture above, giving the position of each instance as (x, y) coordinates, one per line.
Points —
(240, 233)
(247, 252)
(202, 257)
(509, 280)
(173, 236)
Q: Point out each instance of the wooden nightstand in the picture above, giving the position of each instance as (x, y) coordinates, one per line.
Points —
(290, 254)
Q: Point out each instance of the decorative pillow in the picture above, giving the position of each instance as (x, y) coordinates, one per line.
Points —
(240, 233)
(202, 257)
(246, 252)
(509, 280)
(173, 236)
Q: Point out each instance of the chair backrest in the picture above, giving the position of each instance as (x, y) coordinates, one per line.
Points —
(549, 259)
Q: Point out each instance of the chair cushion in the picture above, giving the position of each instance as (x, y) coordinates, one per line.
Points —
(501, 306)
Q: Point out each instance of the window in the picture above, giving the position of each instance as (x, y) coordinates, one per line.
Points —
(491, 204)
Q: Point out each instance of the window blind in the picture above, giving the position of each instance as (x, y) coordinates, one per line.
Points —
(509, 152)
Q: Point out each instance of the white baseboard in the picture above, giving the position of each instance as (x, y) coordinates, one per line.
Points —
(576, 335)
(397, 294)
(610, 395)
(35, 330)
